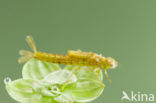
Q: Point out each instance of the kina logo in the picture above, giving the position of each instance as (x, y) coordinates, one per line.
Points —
(137, 97)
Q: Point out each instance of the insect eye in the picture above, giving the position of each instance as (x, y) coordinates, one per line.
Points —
(112, 64)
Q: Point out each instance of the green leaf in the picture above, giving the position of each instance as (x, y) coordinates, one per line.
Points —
(30, 91)
(83, 72)
(64, 99)
(36, 69)
(20, 90)
(84, 90)
(46, 83)
(42, 99)
(88, 86)
(60, 77)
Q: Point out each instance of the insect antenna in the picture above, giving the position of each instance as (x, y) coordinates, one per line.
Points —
(105, 71)
(26, 55)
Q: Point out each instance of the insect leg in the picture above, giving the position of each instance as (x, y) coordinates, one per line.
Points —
(105, 71)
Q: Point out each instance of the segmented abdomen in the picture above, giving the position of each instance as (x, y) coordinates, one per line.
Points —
(65, 59)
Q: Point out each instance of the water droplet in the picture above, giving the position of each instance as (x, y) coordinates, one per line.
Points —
(55, 89)
(7, 80)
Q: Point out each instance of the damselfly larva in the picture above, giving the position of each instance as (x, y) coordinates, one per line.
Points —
(72, 58)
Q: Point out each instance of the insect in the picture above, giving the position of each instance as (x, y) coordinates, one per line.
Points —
(72, 58)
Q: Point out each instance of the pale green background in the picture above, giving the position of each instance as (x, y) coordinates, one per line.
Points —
(123, 29)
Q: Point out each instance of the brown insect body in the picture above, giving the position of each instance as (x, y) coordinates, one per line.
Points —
(72, 58)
